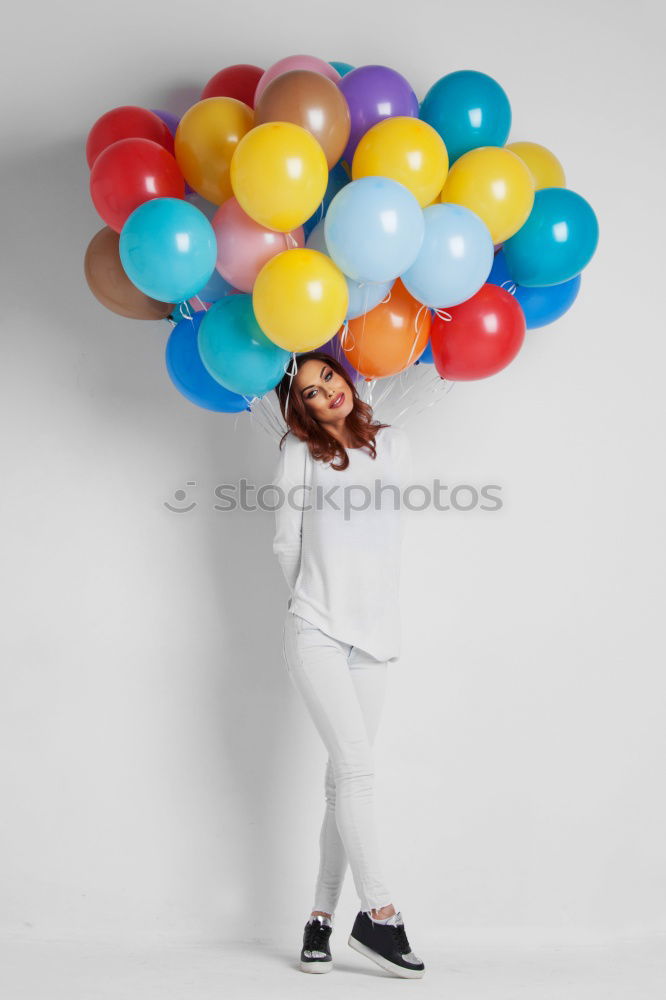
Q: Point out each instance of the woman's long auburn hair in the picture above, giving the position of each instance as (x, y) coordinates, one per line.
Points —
(323, 446)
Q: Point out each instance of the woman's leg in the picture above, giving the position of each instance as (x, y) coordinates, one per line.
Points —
(320, 667)
(369, 677)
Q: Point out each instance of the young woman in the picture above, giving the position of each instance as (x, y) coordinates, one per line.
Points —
(338, 538)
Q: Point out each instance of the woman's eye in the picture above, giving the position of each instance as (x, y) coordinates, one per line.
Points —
(326, 378)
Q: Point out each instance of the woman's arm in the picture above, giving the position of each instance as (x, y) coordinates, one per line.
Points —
(288, 516)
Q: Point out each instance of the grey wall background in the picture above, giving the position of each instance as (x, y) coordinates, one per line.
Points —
(159, 776)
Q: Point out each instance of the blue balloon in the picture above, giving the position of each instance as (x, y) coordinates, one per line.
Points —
(363, 295)
(426, 355)
(342, 67)
(168, 249)
(188, 374)
(374, 229)
(469, 109)
(215, 288)
(235, 350)
(455, 257)
(557, 241)
(540, 304)
(337, 179)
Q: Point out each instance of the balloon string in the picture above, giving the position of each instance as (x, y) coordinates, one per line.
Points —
(435, 388)
(201, 303)
(291, 369)
(416, 334)
(292, 362)
(512, 286)
(388, 297)
(345, 335)
(443, 314)
(290, 241)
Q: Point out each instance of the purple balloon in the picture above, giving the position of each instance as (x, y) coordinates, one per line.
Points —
(334, 348)
(374, 93)
(171, 121)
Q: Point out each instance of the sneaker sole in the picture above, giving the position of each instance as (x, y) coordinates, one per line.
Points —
(315, 966)
(384, 963)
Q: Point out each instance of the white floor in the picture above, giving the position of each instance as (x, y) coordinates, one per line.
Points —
(61, 970)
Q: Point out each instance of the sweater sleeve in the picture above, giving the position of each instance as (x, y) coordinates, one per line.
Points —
(288, 515)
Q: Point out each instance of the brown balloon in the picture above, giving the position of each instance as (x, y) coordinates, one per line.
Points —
(312, 101)
(110, 285)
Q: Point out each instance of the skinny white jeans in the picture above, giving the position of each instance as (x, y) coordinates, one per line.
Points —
(344, 690)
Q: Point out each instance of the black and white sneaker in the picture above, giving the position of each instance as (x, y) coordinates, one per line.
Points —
(315, 953)
(386, 944)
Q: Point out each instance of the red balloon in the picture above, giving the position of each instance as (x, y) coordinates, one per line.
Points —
(484, 334)
(129, 172)
(126, 122)
(239, 81)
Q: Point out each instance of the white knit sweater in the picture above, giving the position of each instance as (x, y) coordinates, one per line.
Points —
(343, 566)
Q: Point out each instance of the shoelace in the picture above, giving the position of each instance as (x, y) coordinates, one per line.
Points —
(400, 938)
(316, 935)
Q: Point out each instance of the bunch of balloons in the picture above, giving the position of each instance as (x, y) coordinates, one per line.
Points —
(318, 205)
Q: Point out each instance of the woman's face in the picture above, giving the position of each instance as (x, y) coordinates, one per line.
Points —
(319, 386)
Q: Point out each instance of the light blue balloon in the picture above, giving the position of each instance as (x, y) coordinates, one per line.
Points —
(540, 304)
(215, 288)
(469, 109)
(337, 179)
(374, 229)
(455, 257)
(235, 350)
(557, 241)
(363, 295)
(168, 249)
(342, 67)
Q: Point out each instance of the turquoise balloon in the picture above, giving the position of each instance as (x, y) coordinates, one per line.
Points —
(186, 370)
(374, 229)
(363, 295)
(469, 109)
(557, 241)
(168, 249)
(235, 350)
(342, 67)
(455, 257)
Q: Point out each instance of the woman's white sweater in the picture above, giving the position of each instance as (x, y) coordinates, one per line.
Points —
(342, 565)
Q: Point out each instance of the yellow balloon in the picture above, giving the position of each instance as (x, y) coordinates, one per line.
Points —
(496, 184)
(279, 175)
(205, 141)
(300, 299)
(545, 167)
(406, 150)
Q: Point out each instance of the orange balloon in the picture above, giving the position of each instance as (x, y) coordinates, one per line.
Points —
(390, 337)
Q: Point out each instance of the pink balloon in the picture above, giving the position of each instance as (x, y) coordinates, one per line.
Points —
(295, 62)
(244, 246)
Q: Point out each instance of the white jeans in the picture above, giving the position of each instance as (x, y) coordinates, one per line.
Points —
(343, 688)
